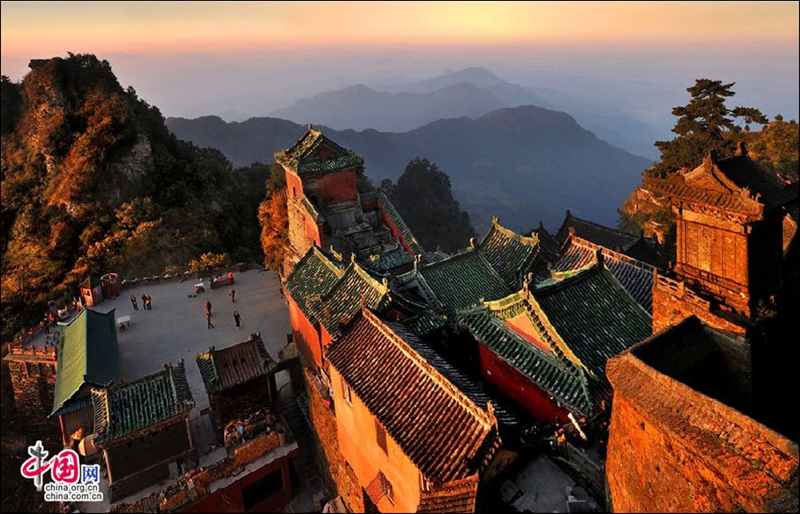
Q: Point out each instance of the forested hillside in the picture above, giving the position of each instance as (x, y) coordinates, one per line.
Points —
(93, 182)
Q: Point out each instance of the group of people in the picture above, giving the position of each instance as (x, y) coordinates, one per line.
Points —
(236, 316)
(146, 302)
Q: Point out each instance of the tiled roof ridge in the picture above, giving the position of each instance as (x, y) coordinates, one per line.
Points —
(382, 287)
(603, 227)
(541, 323)
(101, 398)
(399, 222)
(429, 292)
(337, 270)
(697, 416)
(572, 277)
(565, 366)
(585, 273)
(434, 374)
(532, 240)
(291, 155)
(466, 254)
(503, 304)
(607, 252)
(675, 186)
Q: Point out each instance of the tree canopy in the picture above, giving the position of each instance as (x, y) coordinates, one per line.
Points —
(424, 198)
(93, 182)
(705, 123)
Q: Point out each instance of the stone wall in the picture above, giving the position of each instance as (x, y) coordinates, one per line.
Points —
(673, 302)
(337, 476)
(33, 379)
(142, 461)
(196, 484)
(681, 451)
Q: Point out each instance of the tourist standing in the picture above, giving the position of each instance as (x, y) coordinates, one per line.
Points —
(149, 303)
(232, 294)
(208, 306)
(237, 319)
(134, 302)
(144, 301)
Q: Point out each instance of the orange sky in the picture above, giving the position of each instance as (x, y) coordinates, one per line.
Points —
(53, 28)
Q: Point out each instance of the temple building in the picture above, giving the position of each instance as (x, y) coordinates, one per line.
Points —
(88, 359)
(413, 440)
(237, 379)
(326, 209)
(635, 276)
(546, 346)
(142, 427)
(323, 294)
(713, 431)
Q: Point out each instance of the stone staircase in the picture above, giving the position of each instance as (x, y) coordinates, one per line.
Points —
(295, 412)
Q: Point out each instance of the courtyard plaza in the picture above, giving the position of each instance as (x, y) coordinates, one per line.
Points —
(176, 328)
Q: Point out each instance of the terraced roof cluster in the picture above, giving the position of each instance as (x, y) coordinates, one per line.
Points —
(580, 322)
(595, 316)
(561, 378)
(331, 296)
(122, 411)
(635, 276)
(441, 430)
(315, 155)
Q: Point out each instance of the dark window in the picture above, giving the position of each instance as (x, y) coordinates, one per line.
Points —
(262, 489)
(380, 435)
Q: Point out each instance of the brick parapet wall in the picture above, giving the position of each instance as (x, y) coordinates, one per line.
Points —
(682, 451)
(673, 302)
(196, 484)
(32, 371)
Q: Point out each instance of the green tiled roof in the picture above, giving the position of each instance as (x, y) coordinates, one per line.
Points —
(343, 301)
(425, 322)
(125, 409)
(314, 155)
(594, 315)
(390, 260)
(398, 221)
(510, 254)
(314, 274)
(89, 354)
(461, 281)
(560, 378)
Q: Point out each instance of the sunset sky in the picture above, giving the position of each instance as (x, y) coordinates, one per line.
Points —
(155, 46)
(44, 28)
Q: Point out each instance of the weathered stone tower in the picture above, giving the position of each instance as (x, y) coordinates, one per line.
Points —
(321, 190)
(33, 378)
(729, 216)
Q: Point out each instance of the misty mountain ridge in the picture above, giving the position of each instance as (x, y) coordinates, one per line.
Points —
(523, 164)
(469, 92)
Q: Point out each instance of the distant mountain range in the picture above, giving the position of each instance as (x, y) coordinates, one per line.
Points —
(469, 92)
(522, 164)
